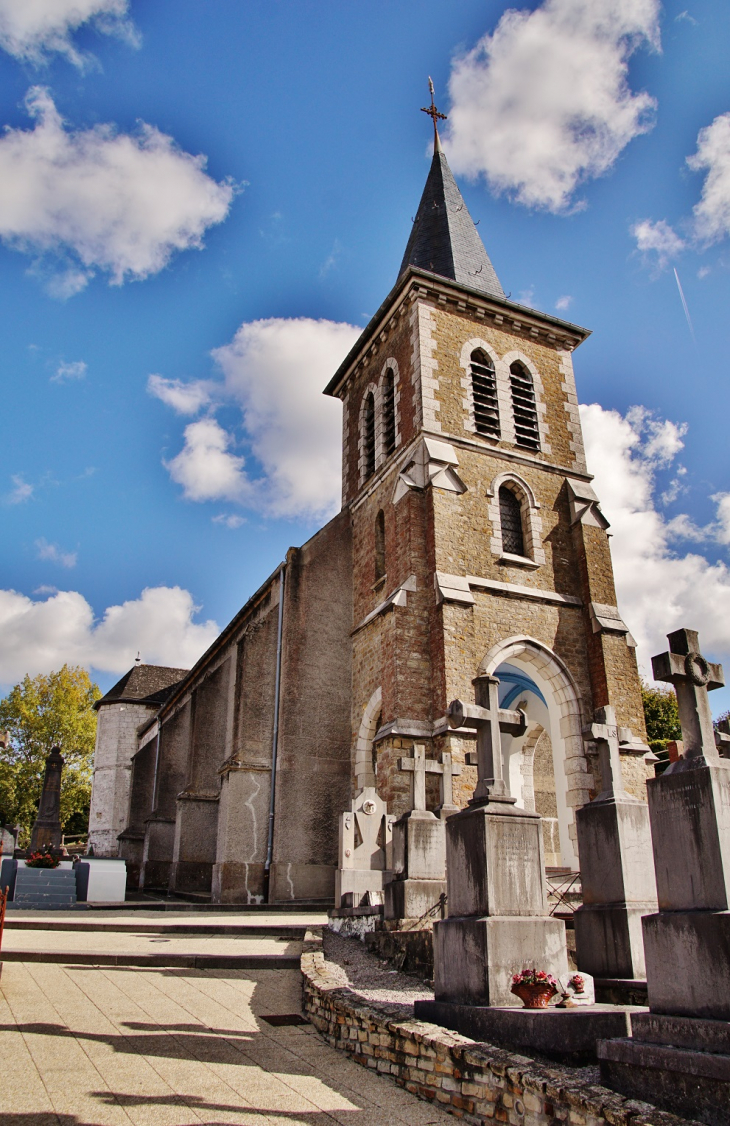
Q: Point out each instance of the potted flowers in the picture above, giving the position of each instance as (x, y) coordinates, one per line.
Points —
(42, 859)
(535, 988)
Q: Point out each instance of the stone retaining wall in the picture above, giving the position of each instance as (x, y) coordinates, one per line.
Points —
(477, 1082)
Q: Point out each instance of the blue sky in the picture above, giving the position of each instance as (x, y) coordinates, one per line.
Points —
(124, 257)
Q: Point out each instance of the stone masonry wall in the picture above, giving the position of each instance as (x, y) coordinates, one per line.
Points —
(478, 1083)
(116, 744)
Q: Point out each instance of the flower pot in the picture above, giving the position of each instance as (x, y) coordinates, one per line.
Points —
(535, 996)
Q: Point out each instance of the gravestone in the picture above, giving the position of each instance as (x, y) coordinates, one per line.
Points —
(679, 1055)
(614, 844)
(497, 922)
(419, 848)
(365, 850)
(46, 832)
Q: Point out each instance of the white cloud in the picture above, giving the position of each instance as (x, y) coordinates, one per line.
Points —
(205, 468)
(184, 398)
(657, 238)
(53, 553)
(712, 213)
(32, 29)
(37, 636)
(106, 201)
(75, 370)
(543, 103)
(564, 303)
(20, 492)
(659, 589)
(722, 500)
(274, 370)
(229, 520)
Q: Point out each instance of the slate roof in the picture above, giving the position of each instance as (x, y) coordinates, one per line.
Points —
(144, 684)
(444, 239)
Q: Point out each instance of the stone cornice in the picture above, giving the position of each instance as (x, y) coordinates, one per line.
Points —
(420, 284)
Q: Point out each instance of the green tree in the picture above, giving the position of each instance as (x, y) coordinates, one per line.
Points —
(53, 710)
(662, 716)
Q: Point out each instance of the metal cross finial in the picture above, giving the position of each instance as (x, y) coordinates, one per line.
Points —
(435, 116)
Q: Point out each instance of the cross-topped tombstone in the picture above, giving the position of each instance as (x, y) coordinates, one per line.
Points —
(673, 1048)
(489, 720)
(364, 848)
(605, 734)
(419, 766)
(684, 667)
(614, 840)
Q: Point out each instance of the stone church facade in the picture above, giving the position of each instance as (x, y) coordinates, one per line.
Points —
(470, 540)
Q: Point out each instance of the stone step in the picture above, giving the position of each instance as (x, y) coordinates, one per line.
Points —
(180, 961)
(295, 932)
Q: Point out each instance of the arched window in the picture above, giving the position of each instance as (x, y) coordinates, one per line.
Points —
(379, 545)
(510, 518)
(388, 413)
(524, 407)
(368, 436)
(484, 394)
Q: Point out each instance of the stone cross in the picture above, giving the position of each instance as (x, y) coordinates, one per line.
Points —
(448, 770)
(46, 832)
(605, 734)
(419, 766)
(489, 720)
(693, 677)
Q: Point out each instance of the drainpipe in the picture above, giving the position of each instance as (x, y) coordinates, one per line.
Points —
(275, 737)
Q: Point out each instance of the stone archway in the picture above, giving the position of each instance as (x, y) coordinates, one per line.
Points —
(364, 760)
(558, 712)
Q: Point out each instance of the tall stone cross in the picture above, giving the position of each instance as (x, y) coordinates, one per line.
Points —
(605, 734)
(692, 677)
(489, 720)
(419, 766)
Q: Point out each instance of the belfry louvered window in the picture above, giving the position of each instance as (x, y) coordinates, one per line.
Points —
(484, 394)
(510, 518)
(388, 413)
(524, 407)
(368, 436)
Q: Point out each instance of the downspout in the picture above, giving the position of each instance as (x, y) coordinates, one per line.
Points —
(275, 738)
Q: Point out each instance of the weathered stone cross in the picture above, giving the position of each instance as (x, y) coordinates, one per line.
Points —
(420, 766)
(605, 734)
(693, 677)
(489, 720)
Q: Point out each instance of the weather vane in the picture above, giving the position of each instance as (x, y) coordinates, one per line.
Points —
(433, 113)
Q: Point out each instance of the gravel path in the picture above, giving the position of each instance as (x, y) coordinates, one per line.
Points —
(352, 965)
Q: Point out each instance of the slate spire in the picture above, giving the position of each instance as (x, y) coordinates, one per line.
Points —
(444, 239)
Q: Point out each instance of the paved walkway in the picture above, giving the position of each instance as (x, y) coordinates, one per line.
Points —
(91, 1046)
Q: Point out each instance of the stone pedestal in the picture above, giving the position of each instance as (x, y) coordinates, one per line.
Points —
(497, 923)
(419, 866)
(614, 845)
(679, 1063)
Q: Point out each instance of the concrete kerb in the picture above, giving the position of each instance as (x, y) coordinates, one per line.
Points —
(476, 1082)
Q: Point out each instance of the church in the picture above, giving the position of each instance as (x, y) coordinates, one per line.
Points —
(469, 541)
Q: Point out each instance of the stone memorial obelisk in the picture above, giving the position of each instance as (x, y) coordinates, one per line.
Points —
(46, 832)
(614, 847)
(679, 1054)
(497, 920)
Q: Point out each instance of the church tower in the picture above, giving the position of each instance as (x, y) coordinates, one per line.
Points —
(479, 544)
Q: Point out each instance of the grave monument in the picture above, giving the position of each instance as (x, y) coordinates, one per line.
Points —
(46, 832)
(497, 923)
(419, 843)
(614, 844)
(365, 839)
(679, 1054)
